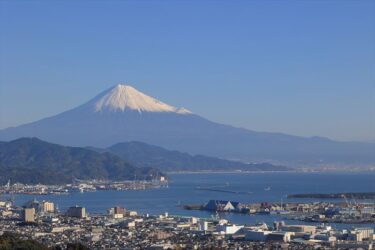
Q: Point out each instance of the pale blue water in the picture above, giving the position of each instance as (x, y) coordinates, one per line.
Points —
(182, 190)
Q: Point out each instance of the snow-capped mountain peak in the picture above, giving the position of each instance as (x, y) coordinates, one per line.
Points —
(124, 97)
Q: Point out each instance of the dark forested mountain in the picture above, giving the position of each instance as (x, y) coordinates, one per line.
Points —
(144, 155)
(124, 114)
(30, 160)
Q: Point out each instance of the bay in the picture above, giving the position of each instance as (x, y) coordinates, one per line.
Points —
(245, 187)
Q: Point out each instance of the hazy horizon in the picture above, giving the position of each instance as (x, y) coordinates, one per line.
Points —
(300, 68)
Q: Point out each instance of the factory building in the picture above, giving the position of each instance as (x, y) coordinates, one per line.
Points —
(228, 228)
(279, 236)
(298, 228)
(256, 235)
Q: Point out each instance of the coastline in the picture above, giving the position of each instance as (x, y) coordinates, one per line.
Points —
(303, 171)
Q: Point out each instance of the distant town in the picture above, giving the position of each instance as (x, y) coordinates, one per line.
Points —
(81, 186)
(121, 228)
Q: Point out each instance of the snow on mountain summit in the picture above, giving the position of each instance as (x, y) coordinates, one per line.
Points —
(124, 97)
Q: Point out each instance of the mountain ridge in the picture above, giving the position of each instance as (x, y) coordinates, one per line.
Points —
(144, 155)
(31, 160)
(190, 133)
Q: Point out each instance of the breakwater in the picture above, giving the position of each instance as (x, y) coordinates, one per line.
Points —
(361, 195)
(222, 190)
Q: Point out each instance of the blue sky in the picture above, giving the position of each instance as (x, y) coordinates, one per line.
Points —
(299, 67)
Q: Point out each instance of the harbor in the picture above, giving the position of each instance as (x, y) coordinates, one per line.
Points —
(123, 228)
(182, 191)
(319, 212)
(81, 186)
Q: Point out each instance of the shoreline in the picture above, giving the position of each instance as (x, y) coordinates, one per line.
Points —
(265, 172)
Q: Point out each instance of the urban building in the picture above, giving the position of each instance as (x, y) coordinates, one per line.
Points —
(362, 233)
(255, 235)
(48, 207)
(226, 228)
(78, 212)
(279, 236)
(28, 215)
(299, 228)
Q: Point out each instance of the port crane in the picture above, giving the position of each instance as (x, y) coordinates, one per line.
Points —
(346, 200)
(355, 204)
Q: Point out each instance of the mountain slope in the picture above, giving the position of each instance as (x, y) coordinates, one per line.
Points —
(125, 114)
(30, 160)
(144, 155)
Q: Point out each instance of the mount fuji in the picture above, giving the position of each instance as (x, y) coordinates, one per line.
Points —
(123, 113)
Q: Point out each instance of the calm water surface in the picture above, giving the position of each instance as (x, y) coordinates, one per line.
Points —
(183, 190)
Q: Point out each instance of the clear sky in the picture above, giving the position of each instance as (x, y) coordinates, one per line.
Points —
(298, 67)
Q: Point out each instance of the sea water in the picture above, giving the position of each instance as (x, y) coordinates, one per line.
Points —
(243, 187)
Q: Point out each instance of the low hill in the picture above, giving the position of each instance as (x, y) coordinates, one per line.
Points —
(145, 155)
(30, 160)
